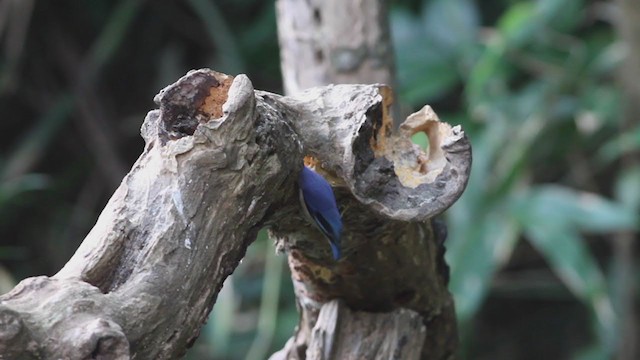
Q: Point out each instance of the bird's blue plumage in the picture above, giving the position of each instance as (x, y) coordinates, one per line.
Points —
(317, 198)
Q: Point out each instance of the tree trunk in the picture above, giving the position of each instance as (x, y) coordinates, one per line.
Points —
(334, 42)
(220, 162)
(388, 190)
(337, 41)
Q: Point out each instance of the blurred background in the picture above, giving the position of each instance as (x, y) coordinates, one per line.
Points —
(541, 245)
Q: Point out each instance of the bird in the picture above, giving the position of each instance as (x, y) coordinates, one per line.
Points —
(319, 205)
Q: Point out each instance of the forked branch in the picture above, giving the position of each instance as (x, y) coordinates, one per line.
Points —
(221, 162)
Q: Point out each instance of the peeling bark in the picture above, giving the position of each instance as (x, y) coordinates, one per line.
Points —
(220, 162)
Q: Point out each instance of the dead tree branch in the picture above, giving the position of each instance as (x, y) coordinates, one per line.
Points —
(220, 162)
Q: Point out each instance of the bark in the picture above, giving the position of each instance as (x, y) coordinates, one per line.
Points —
(334, 42)
(389, 190)
(145, 278)
(220, 162)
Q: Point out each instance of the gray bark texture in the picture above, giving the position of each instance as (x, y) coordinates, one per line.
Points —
(394, 278)
(221, 161)
(334, 42)
(389, 190)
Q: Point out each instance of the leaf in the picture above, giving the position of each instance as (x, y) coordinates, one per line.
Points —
(627, 188)
(607, 56)
(427, 83)
(551, 205)
(474, 254)
(526, 20)
(451, 24)
(33, 146)
(620, 145)
(552, 217)
(517, 27)
(10, 189)
(218, 29)
(113, 34)
(562, 15)
(424, 71)
(571, 260)
(487, 79)
(519, 23)
(421, 139)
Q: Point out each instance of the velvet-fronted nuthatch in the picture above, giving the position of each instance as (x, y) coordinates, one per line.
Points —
(319, 205)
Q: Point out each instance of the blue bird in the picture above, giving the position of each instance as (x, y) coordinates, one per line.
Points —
(319, 204)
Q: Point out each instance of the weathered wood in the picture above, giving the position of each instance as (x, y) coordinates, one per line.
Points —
(220, 162)
(394, 335)
(385, 184)
(388, 190)
(144, 280)
(334, 42)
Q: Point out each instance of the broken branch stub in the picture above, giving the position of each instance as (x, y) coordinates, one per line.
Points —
(350, 132)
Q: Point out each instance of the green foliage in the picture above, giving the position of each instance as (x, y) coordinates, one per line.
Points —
(428, 47)
(540, 106)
